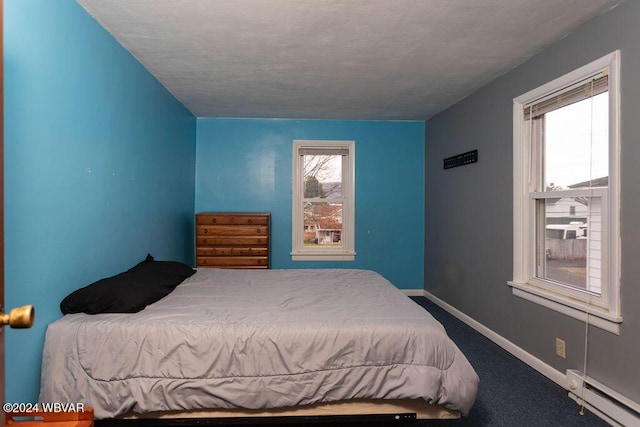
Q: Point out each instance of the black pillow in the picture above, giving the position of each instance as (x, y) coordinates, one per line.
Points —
(128, 292)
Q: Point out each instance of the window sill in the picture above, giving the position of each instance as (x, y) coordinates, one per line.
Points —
(323, 256)
(569, 307)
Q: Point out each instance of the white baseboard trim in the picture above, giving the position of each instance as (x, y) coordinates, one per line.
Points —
(537, 364)
(413, 292)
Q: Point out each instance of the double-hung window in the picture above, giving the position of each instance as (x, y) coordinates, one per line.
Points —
(566, 202)
(323, 200)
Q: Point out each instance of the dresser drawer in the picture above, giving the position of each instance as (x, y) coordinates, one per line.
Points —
(231, 219)
(213, 251)
(237, 251)
(231, 230)
(232, 240)
(232, 261)
(249, 252)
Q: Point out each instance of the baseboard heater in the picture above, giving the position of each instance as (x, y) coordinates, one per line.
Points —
(608, 404)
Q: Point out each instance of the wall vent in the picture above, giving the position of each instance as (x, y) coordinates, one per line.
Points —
(608, 404)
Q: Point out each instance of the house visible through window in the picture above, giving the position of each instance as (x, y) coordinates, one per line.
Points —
(566, 236)
(573, 140)
(323, 200)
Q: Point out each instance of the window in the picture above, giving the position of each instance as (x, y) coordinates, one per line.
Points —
(323, 201)
(566, 202)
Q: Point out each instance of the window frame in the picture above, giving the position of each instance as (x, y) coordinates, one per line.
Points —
(346, 252)
(603, 312)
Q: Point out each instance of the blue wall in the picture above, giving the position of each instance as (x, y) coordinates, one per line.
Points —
(100, 165)
(99, 168)
(245, 165)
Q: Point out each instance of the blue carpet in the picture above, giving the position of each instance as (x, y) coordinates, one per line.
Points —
(511, 393)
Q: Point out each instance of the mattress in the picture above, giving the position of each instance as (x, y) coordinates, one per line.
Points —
(257, 339)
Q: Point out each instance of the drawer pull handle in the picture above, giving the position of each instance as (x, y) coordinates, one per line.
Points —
(250, 221)
(206, 230)
(214, 220)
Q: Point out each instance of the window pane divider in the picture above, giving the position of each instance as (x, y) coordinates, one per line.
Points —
(555, 194)
(323, 200)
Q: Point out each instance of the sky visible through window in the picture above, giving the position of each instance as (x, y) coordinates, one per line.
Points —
(576, 148)
(326, 168)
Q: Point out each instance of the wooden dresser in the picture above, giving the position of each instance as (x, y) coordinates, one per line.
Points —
(232, 240)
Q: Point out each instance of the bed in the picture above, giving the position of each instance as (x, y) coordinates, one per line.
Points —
(258, 340)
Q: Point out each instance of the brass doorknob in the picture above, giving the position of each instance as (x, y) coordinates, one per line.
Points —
(20, 317)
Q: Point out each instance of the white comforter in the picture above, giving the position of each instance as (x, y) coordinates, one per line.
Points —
(257, 339)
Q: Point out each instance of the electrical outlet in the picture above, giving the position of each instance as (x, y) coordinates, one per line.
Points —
(561, 349)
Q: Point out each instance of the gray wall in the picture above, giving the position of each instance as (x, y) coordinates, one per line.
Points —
(468, 210)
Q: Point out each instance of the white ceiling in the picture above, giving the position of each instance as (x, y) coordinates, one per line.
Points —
(339, 59)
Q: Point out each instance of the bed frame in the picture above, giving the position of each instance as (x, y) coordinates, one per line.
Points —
(368, 411)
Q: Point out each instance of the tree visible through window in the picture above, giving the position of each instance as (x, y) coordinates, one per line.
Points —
(322, 199)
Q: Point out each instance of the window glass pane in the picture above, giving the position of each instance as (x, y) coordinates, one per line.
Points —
(322, 224)
(569, 253)
(322, 176)
(576, 145)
